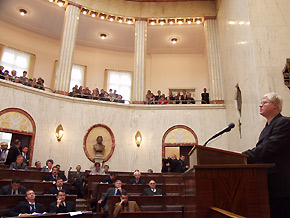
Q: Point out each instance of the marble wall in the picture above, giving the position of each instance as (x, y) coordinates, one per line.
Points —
(254, 48)
(77, 115)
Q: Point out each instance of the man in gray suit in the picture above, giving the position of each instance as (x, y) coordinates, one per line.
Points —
(111, 192)
(13, 189)
(19, 164)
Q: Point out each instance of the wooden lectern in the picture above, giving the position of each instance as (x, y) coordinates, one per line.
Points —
(222, 181)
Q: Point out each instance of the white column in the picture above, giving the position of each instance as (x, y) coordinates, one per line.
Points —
(214, 63)
(139, 61)
(69, 31)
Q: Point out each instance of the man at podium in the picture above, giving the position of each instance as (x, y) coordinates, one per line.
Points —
(274, 147)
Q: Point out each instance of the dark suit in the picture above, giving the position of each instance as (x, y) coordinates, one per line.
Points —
(107, 179)
(109, 192)
(274, 147)
(77, 180)
(12, 154)
(175, 166)
(69, 207)
(7, 190)
(54, 190)
(205, 98)
(148, 191)
(140, 182)
(49, 177)
(24, 207)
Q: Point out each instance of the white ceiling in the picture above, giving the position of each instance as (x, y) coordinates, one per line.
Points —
(47, 19)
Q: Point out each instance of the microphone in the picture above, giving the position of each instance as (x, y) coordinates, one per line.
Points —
(69, 169)
(227, 129)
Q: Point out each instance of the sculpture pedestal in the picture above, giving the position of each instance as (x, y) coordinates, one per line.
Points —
(99, 158)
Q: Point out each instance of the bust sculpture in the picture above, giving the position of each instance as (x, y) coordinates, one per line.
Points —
(99, 147)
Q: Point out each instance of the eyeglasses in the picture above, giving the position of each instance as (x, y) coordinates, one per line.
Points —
(265, 103)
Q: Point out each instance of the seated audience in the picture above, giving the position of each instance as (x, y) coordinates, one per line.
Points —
(152, 190)
(77, 180)
(162, 100)
(14, 188)
(125, 206)
(54, 175)
(106, 169)
(205, 97)
(57, 187)
(119, 99)
(109, 179)
(158, 96)
(40, 83)
(137, 179)
(18, 164)
(48, 167)
(14, 151)
(178, 98)
(171, 97)
(153, 100)
(37, 164)
(25, 154)
(23, 77)
(29, 206)
(59, 170)
(184, 95)
(13, 75)
(3, 152)
(105, 98)
(61, 205)
(117, 190)
(97, 169)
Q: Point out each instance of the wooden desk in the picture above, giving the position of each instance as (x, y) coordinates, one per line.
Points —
(22, 175)
(8, 202)
(159, 214)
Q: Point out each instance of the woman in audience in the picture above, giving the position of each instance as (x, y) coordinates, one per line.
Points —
(48, 167)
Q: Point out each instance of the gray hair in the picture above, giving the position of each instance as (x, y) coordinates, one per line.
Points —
(275, 98)
(137, 172)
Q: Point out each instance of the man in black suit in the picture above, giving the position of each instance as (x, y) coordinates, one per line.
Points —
(111, 192)
(13, 189)
(61, 205)
(175, 165)
(137, 179)
(29, 206)
(204, 97)
(58, 186)
(54, 175)
(152, 190)
(109, 179)
(77, 180)
(14, 151)
(274, 147)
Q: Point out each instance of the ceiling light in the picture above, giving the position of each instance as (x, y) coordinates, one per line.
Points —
(161, 22)
(152, 22)
(111, 17)
(120, 19)
(173, 40)
(129, 20)
(94, 14)
(171, 21)
(50, 0)
(103, 16)
(22, 12)
(103, 35)
(197, 20)
(60, 3)
(189, 20)
(180, 21)
(84, 11)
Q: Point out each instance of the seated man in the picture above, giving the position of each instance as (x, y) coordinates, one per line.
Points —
(19, 164)
(106, 170)
(109, 179)
(61, 205)
(125, 206)
(77, 180)
(29, 206)
(13, 189)
(111, 192)
(54, 175)
(97, 169)
(137, 180)
(37, 164)
(48, 167)
(58, 186)
(152, 190)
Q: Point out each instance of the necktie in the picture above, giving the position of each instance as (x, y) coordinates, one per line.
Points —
(32, 208)
(118, 192)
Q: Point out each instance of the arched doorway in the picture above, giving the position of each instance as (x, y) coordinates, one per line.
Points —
(178, 140)
(20, 125)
